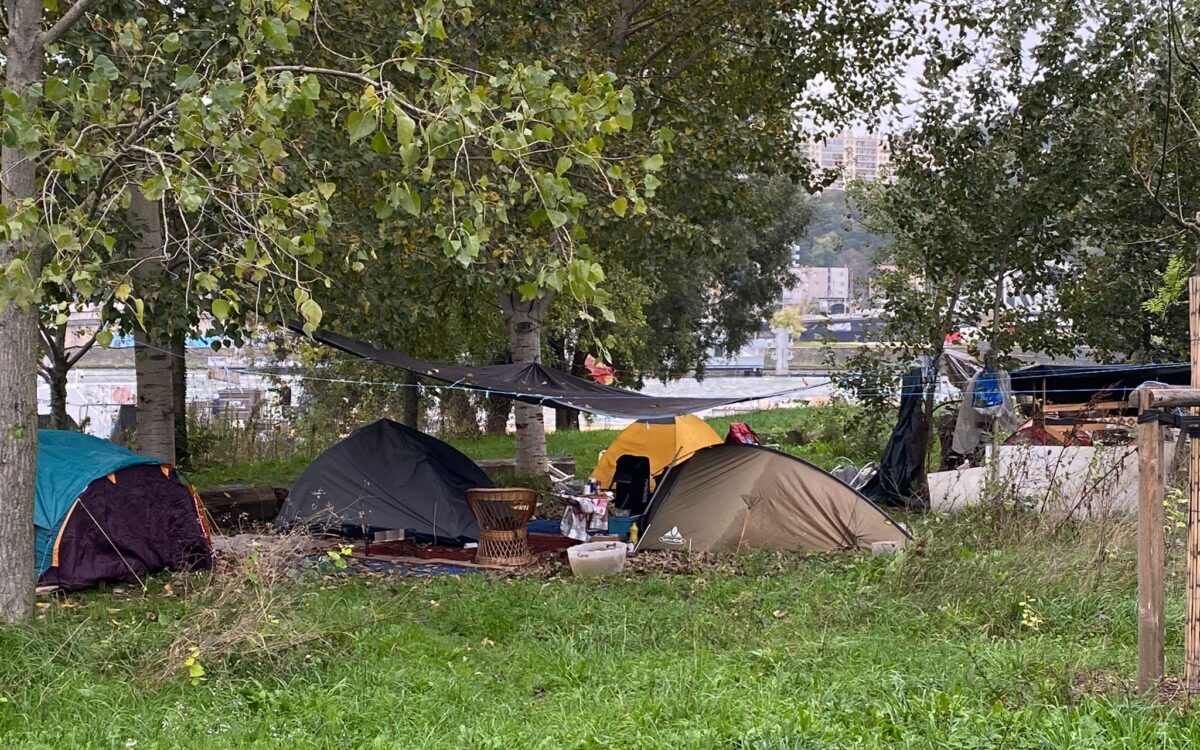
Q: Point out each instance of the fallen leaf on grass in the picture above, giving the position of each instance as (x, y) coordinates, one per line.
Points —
(487, 642)
(43, 605)
(779, 614)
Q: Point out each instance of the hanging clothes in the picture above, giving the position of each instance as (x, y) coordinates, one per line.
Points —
(987, 405)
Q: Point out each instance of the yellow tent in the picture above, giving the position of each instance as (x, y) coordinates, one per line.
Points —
(661, 442)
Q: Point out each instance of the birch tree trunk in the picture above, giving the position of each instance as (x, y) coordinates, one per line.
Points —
(23, 61)
(152, 349)
(524, 322)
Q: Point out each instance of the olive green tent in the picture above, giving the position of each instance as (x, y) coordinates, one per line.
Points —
(735, 498)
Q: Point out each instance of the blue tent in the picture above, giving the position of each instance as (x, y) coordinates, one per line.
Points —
(67, 463)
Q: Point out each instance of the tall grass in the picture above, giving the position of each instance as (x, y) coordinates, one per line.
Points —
(993, 632)
(226, 450)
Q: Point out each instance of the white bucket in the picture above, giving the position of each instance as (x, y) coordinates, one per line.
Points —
(596, 558)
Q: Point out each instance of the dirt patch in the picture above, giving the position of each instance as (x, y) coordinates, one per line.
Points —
(1098, 683)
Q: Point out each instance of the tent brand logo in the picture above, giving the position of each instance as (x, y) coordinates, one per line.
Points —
(672, 537)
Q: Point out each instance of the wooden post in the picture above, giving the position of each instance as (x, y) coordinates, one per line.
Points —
(1191, 633)
(1151, 552)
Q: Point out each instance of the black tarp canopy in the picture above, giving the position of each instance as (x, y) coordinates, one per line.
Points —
(538, 384)
(1077, 384)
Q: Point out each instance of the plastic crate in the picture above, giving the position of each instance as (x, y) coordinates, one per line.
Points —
(619, 525)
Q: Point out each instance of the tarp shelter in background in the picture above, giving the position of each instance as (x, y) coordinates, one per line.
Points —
(387, 476)
(735, 498)
(1077, 384)
(537, 384)
(663, 441)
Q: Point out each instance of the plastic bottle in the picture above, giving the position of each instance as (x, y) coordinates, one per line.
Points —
(633, 533)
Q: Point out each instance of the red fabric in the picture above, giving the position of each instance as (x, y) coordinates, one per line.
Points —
(539, 543)
(601, 373)
(740, 433)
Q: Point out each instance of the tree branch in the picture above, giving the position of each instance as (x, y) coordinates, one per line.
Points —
(64, 24)
(83, 349)
(52, 351)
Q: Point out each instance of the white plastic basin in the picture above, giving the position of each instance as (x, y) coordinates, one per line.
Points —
(596, 558)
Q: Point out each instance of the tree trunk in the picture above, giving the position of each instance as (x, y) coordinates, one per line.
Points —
(459, 417)
(566, 419)
(524, 322)
(23, 60)
(58, 395)
(152, 349)
(409, 405)
(496, 411)
(179, 397)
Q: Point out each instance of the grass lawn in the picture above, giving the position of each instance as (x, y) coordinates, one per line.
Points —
(823, 429)
(980, 641)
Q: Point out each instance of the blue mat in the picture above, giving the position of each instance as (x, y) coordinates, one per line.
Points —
(544, 526)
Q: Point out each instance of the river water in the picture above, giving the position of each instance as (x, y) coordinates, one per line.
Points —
(95, 395)
(801, 389)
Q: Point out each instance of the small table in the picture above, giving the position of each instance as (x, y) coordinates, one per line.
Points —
(586, 513)
(503, 515)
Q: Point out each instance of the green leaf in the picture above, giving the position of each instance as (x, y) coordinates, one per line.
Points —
(563, 165)
(103, 70)
(171, 43)
(139, 310)
(55, 90)
(380, 144)
(186, 78)
(620, 206)
(310, 87)
(558, 218)
(405, 127)
(359, 125)
(122, 292)
(220, 309)
(326, 189)
(311, 312)
(275, 32)
(104, 338)
(653, 164)
(271, 148)
(410, 154)
(410, 200)
(154, 187)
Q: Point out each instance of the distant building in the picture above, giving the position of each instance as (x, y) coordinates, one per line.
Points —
(858, 157)
(824, 290)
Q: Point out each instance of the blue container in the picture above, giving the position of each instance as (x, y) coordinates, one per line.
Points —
(619, 525)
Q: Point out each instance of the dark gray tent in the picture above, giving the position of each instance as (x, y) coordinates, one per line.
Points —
(733, 498)
(387, 476)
